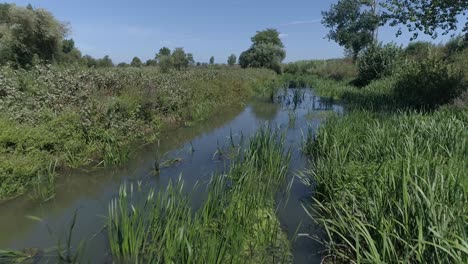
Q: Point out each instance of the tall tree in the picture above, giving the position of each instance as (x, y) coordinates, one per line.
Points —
(136, 62)
(212, 60)
(179, 59)
(26, 33)
(426, 15)
(352, 23)
(190, 59)
(164, 51)
(267, 51)
(232, 59)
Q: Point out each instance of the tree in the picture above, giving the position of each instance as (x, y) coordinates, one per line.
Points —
(26, 33)
(352, 24)
(425, 15)
(122, 65)
(68, 45)
(212, 60)
(136, 62)
(190, 59)
(179, 59)
(105, 62)
(268, 36)
(164, 51)
(89, 61)
(165, 63)
(232, 59)
(267, 51)
(151, 62)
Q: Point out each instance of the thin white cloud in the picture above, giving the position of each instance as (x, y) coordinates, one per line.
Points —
(301, 22)
(283, 35)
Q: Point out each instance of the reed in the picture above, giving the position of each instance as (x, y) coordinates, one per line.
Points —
(236, 224)
(392, 188)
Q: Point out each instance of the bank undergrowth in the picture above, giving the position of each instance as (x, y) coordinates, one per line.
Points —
(75, 117)
(389, 176)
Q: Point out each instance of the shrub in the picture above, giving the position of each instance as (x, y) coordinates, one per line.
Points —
(427, 84)
(418, 50)
(376, 62)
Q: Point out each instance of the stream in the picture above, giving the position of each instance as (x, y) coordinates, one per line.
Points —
(88, 193)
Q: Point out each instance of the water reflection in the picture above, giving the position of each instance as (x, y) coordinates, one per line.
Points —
(90, 192)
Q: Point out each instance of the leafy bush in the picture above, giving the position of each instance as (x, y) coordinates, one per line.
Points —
(427, 84)
(376, 62)
(418, 50)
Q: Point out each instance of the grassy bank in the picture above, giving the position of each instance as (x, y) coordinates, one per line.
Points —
(393, 188)
(74, 117)
(236, 224)
(389, 179)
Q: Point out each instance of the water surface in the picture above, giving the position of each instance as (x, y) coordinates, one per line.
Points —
(87, 193)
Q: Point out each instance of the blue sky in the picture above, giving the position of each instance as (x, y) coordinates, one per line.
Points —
(124, 29)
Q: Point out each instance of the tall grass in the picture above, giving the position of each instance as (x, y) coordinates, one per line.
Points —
(392, 188)
(236, 224)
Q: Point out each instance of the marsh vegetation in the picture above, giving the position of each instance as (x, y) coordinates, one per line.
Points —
(170, 161)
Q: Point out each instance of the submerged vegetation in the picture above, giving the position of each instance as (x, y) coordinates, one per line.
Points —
(237, 222)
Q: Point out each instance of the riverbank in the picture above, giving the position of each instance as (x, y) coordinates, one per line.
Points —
(54, 117)
(390, 182)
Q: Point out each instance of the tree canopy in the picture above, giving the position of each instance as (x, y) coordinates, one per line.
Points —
(267, 51)
(179, 59)
(232, 59)
(212, 60)
(136, 62)
(27, 33)
(352, 24)
(425, 15)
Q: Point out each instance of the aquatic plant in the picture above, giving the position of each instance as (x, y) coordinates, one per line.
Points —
(392, 187)
(235, 224)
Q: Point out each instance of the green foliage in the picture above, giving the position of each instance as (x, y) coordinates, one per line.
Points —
(190, 59)
(212, 60)
(105, 62)
(352, 24)
(179, 59)
(337, 69)
(164, 51)
(165, 63)
(26, 33)
(392, 188)
(232, 59)
(427, 84)
(136, 62)
(151, 62)
(235, 224)
(267, 51)
(425, 15)
(419, 50)
(376, 62)
(81, 116)
(456, 45)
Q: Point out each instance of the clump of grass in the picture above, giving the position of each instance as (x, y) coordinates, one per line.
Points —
(44, 186)
(292, 118)
(236, 224)
(392, 188)
(18, 257)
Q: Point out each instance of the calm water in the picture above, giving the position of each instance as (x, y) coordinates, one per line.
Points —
(88, 192)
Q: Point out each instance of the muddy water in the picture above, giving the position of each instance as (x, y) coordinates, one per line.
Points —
(87, 193)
